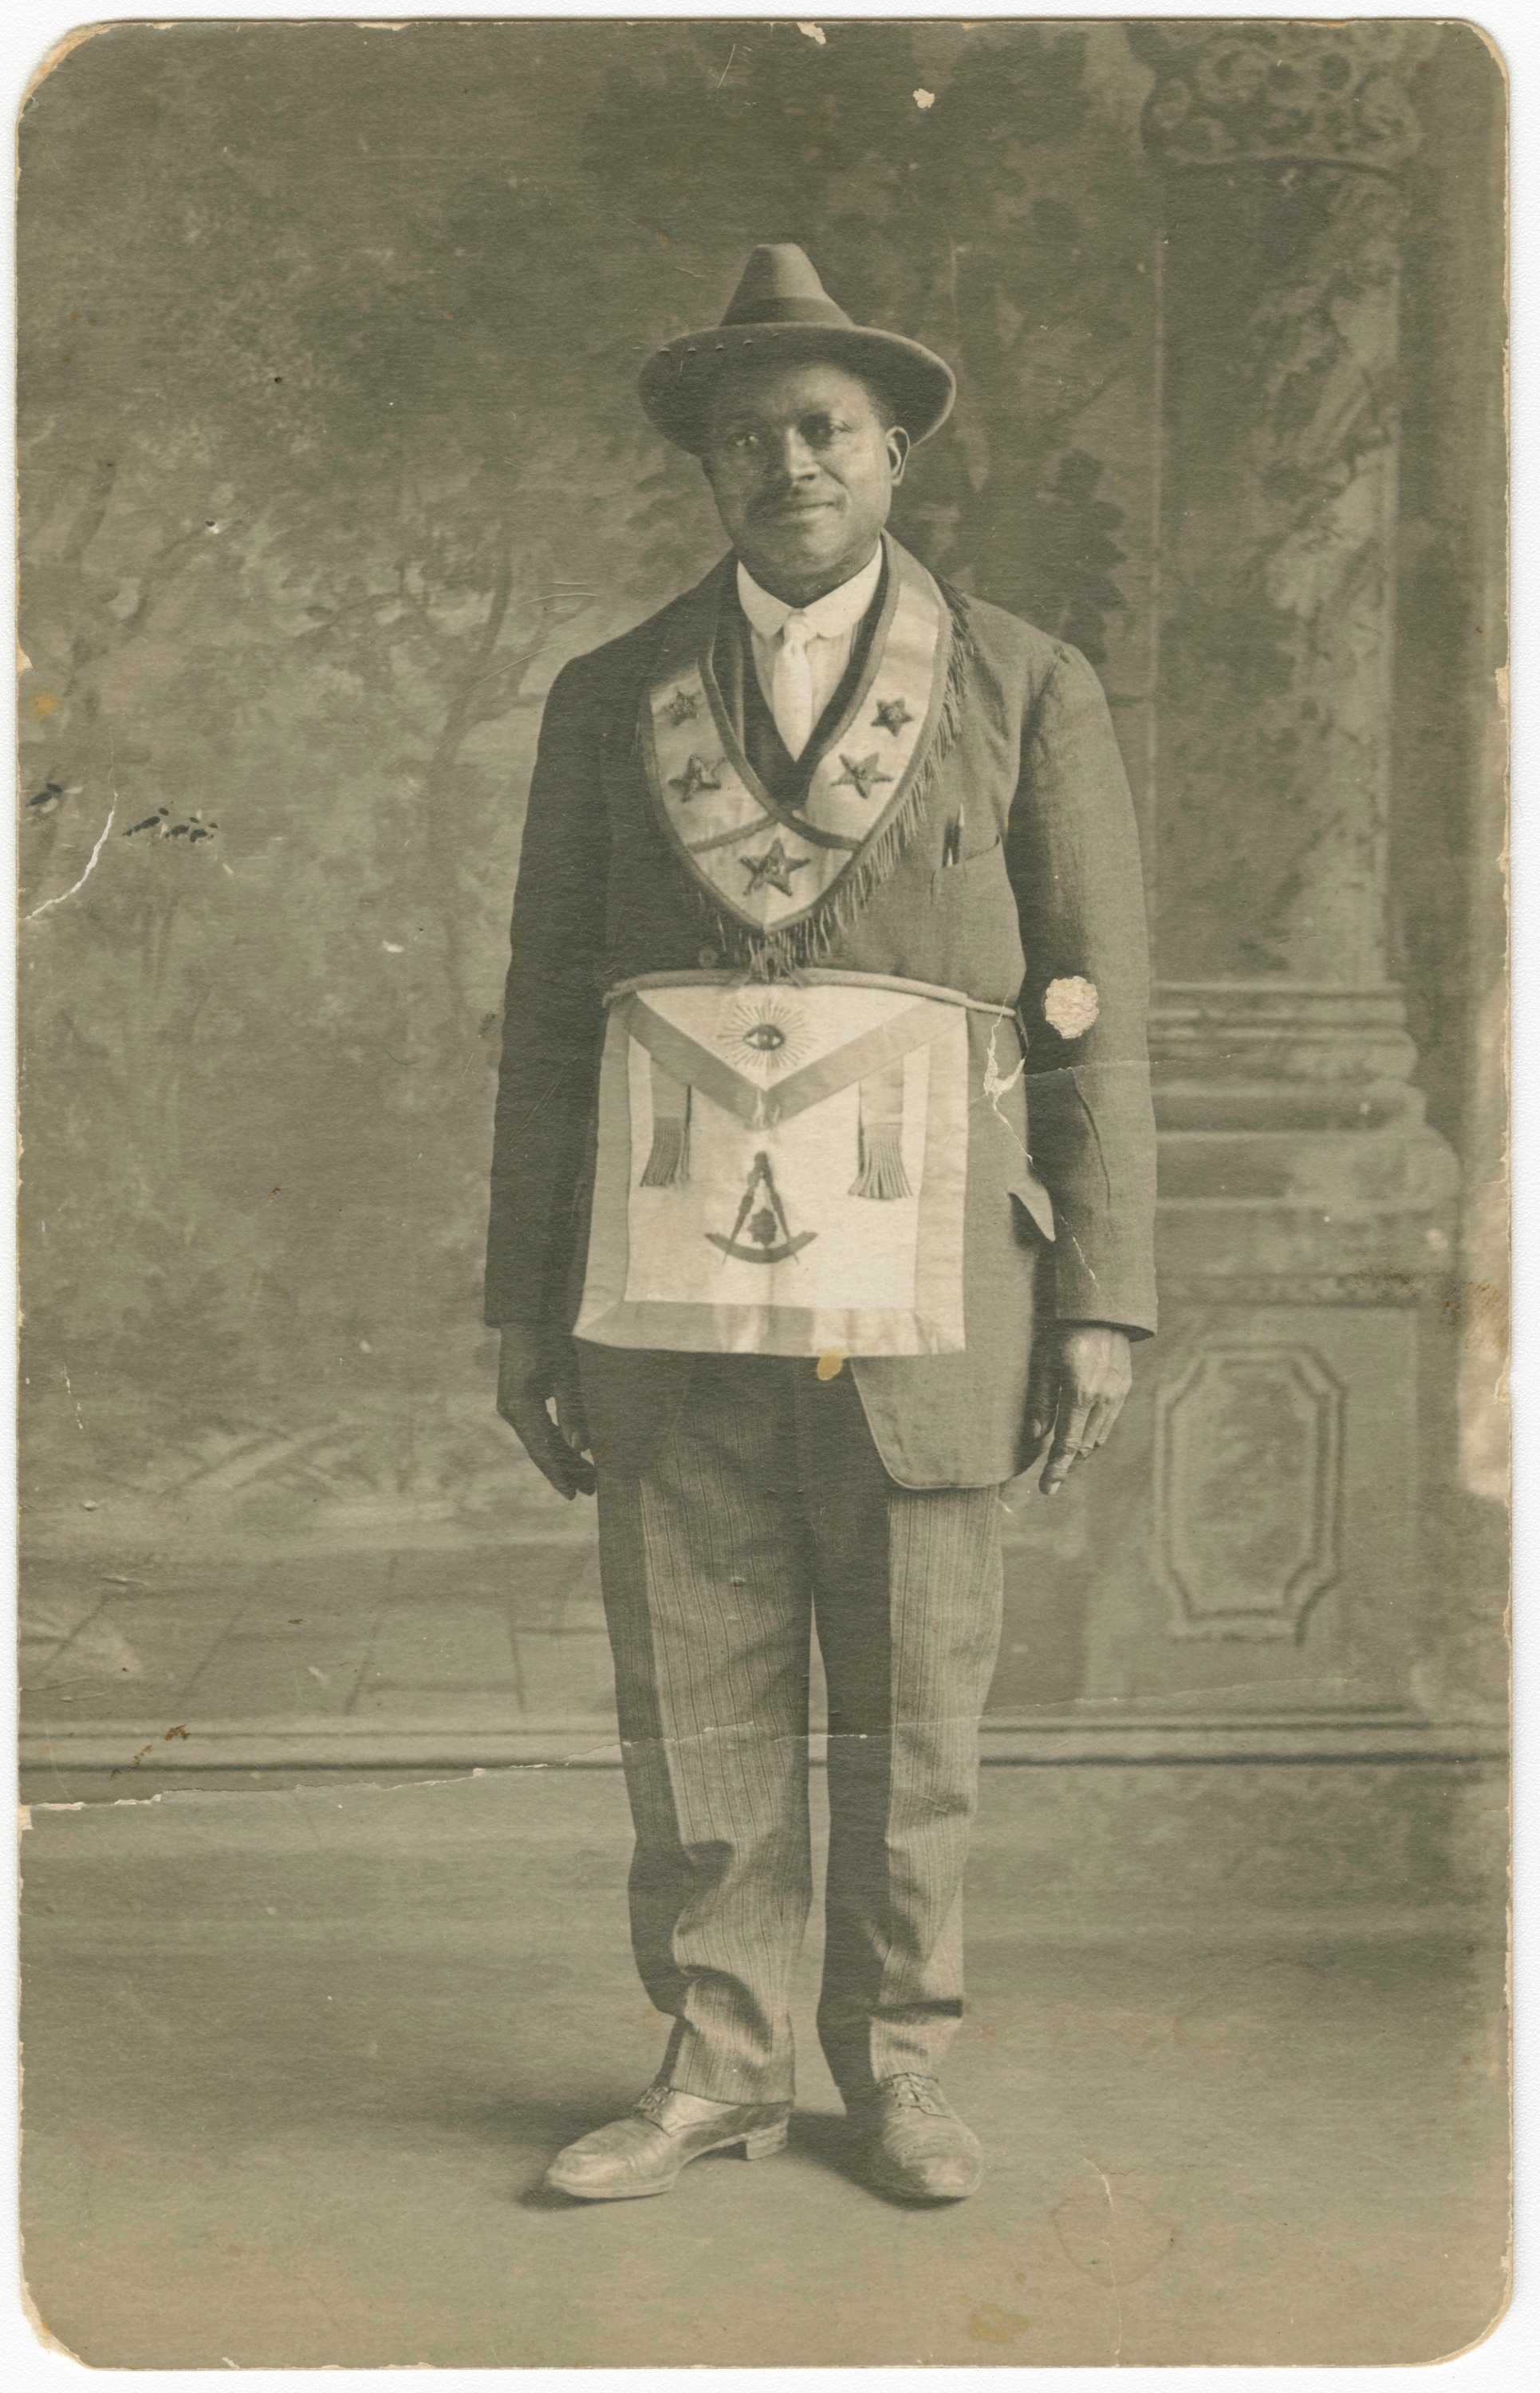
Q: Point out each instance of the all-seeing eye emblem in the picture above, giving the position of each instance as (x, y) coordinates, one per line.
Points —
(764, 1032)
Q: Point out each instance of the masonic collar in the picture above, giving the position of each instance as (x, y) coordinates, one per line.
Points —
(792, 875)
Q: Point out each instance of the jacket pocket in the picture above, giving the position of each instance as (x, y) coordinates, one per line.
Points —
(969, 869)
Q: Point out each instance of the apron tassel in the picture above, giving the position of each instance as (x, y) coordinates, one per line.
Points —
(881, 1174)
(669, 1164)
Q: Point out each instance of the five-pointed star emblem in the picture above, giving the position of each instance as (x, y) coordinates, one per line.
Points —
(774, 866)
(890, 716)
(684, 706)
(697, 775)
(863, 773)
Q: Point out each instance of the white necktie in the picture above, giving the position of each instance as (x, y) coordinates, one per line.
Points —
(791, 684)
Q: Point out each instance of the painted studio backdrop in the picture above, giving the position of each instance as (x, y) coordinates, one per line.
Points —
(330, 459)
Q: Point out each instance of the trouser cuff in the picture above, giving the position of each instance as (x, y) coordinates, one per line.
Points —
(692, 2066)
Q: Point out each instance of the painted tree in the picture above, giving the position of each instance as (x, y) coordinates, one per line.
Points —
(139, 521)
(332, 539)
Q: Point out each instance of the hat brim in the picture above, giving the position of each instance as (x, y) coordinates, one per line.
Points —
(677, 386)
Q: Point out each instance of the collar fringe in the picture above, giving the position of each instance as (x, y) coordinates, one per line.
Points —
(782, 955)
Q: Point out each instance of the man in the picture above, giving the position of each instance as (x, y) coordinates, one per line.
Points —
(814, 860)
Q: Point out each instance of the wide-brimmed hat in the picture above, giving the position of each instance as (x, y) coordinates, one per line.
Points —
(781, 312)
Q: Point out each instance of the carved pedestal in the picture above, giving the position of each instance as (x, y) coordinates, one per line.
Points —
(1262, 1551)
(1305, 1227)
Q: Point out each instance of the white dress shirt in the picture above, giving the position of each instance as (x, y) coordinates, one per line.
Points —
(800, 669)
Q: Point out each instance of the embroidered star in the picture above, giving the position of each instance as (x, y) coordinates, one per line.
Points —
(774, 866)
(697, 775)
(684, 706)
(890, 716)
(862, 773)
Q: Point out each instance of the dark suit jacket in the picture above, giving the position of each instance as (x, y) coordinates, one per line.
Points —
(1022, 870)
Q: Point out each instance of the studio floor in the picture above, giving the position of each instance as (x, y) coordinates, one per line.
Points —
(295, 2060)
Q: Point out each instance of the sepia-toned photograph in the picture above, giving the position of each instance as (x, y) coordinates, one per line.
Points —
(763, 1220)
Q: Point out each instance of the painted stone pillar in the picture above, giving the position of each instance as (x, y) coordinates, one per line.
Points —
(1268, 1501)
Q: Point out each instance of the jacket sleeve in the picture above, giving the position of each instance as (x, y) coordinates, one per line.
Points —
(553, 1021)
(1073, 855)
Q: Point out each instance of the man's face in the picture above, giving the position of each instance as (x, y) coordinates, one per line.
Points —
(802, 463)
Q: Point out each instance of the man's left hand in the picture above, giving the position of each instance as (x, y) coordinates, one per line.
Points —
(1081, 1372)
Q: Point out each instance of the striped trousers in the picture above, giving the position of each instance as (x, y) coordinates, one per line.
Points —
(766, 1513)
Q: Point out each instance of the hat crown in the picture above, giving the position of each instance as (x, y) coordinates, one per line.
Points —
(780, 285)
(780, 314)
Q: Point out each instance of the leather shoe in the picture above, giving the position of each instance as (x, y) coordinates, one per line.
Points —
(914, 2146)
(644, 2151)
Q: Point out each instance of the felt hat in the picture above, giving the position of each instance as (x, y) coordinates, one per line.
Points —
(780, 313)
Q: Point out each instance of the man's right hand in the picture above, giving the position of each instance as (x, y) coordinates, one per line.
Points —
(529, 1379)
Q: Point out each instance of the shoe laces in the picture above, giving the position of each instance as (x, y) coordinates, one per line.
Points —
(915, 2091)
